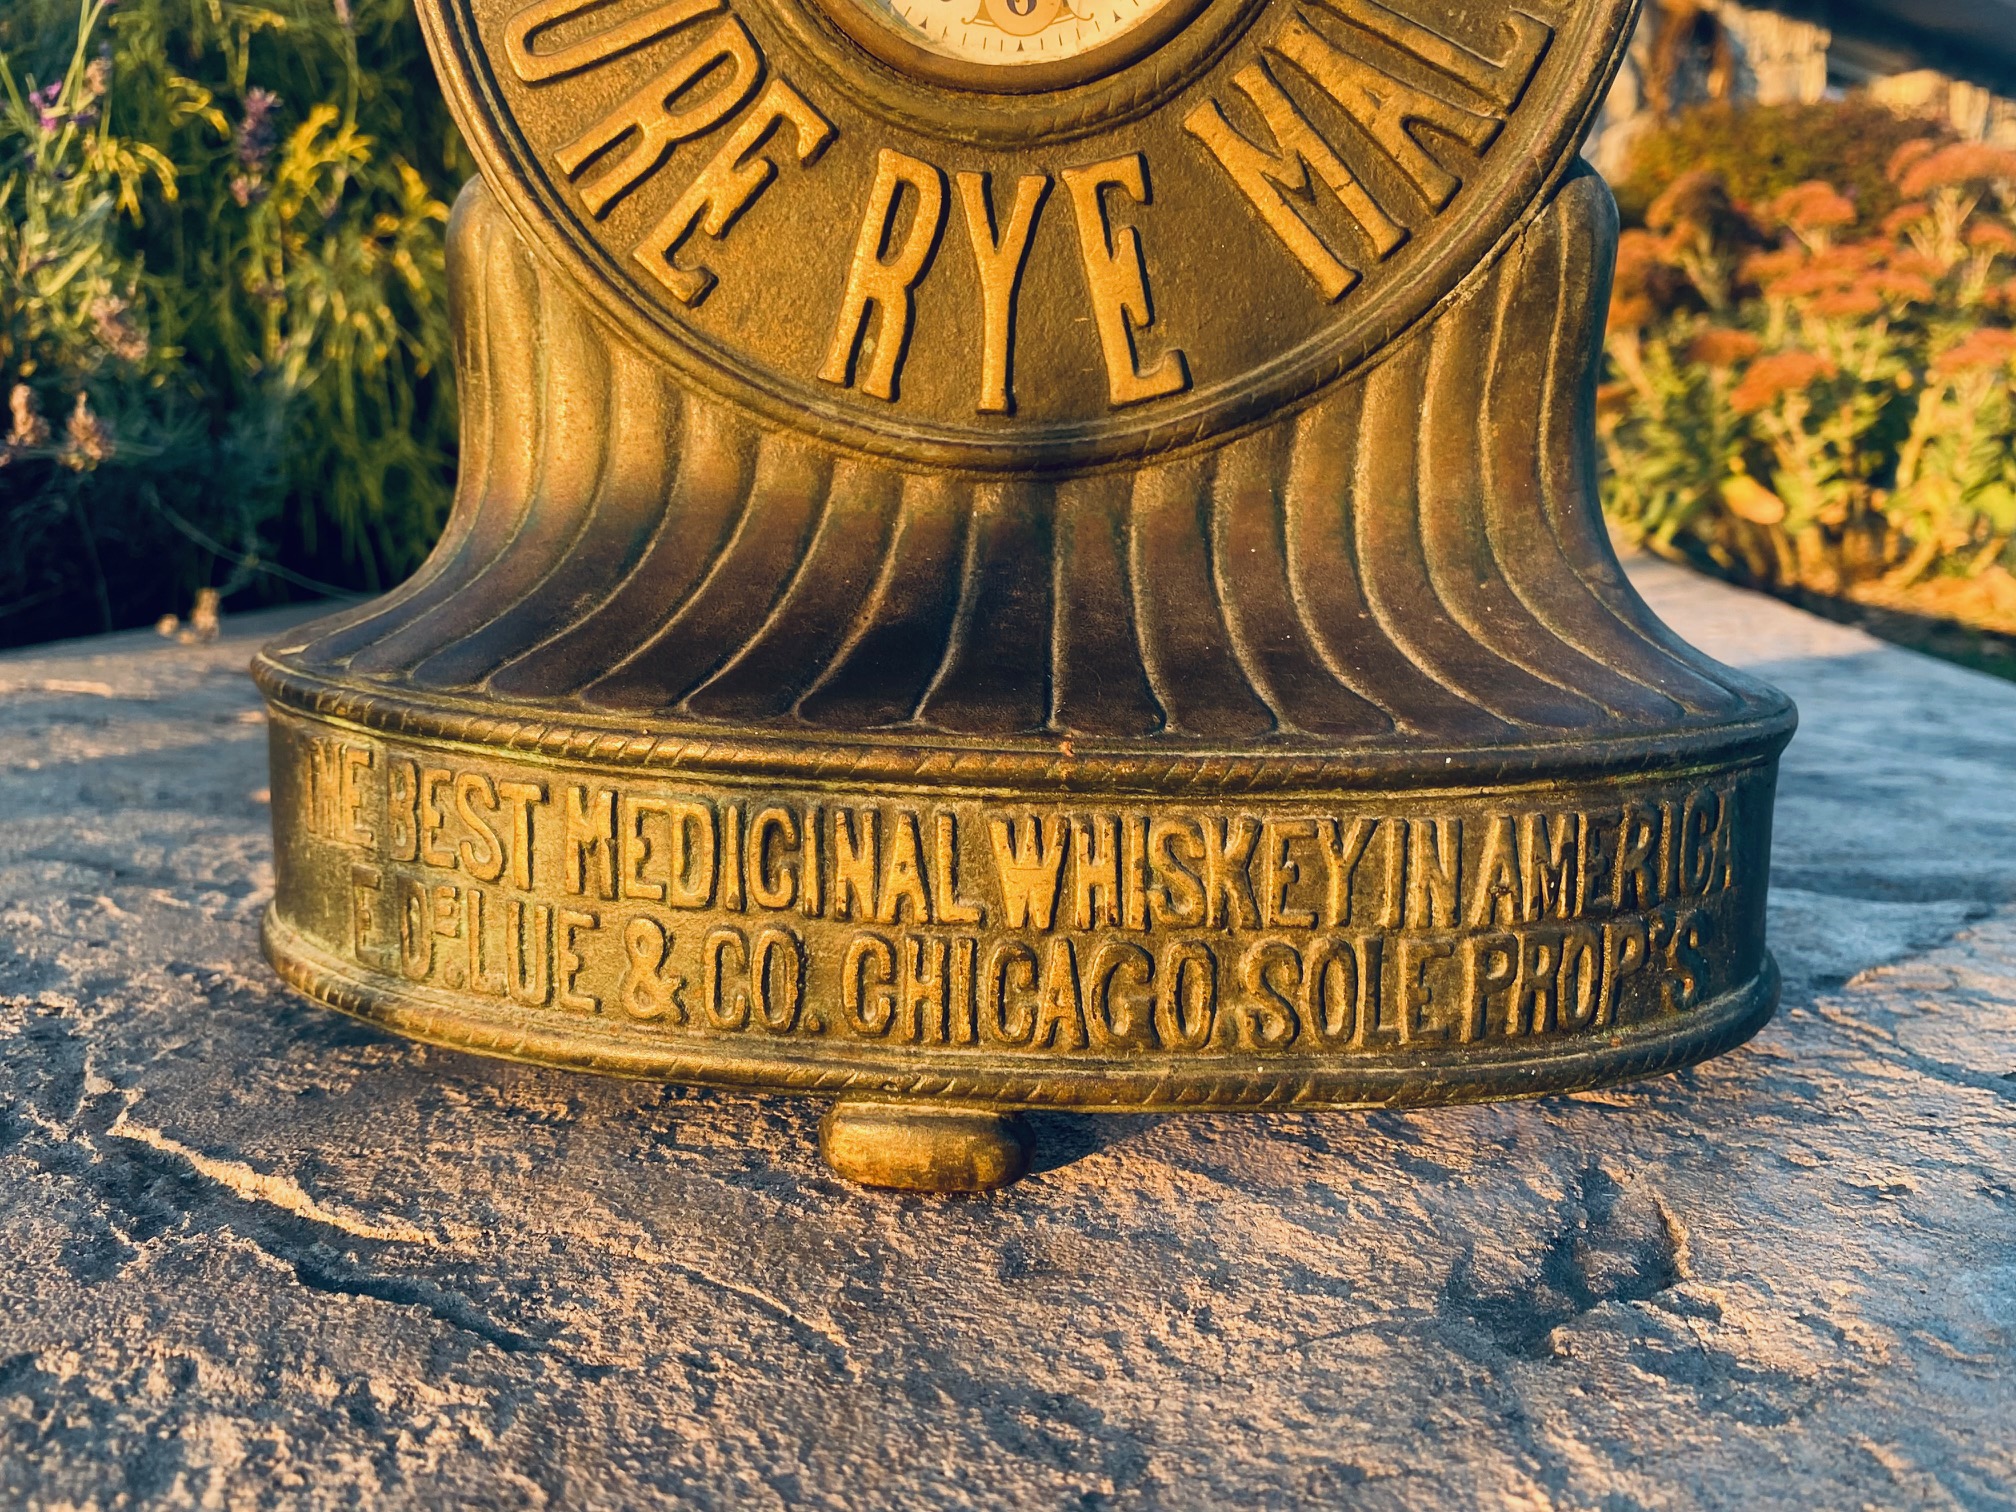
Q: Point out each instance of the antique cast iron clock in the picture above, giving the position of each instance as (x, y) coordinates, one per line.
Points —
(1028, 553)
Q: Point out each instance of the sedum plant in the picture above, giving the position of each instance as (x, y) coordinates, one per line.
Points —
(1816, 398)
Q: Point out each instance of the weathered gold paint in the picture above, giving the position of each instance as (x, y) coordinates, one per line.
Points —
(1161, 653)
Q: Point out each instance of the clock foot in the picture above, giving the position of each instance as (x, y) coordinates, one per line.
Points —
(915, 1147)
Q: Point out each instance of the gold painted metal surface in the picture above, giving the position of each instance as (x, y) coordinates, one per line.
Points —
(924, 1149)
(975, 595)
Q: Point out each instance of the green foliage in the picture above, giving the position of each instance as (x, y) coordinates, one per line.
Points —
(1760, 151)
(1812, 402)
(222, 326)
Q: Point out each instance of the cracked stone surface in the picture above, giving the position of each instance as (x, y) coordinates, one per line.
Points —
(258, 1255)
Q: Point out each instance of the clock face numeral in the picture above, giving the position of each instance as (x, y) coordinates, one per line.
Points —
(1012, 33)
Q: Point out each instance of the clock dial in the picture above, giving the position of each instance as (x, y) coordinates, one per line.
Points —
(899, 224)
(1014, 33)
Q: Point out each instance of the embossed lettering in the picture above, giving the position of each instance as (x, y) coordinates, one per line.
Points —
(1685, 936)
(567, 970)
(1703, 824)
(728, 185)
(725, 1010)
(1581, 976)
(434, 781)
(1179, 899)
(1331, 997)
(1497, 898)
(1266, 1019)
(1501, 82)
(952, 909)
(1389, 111)
(320, 801)
(1342, 850)
(731, 856)
(903, 880)
(536, 67)
(482, 853)
(1228, 878)
(1299, 152)
(777, 972)
(772, 882)
(648, 990)
(1095, 872)
(365, 885)
(658, 128)
(528, 952)
(1283, 873)
(518, 798)
(1626, 950)
(1134, 871)
(886, 267)
(1394, 876)
(1028, 865)
(1416, 996)
(1121, 1002)
(1634, 879)
(1117, 280)
(588, 840)
(692, 854)
(811, 888)
(867, 986)
(1547, 871)
(402, 810)
(1434, 871)
(1060, 1002)
(425, 914)
(1531, 1009)
(357, 760)
(854, 853)
(965, 1006)
(998, 261)
(1010, 1017)
(1490, 961)
(925, 1002)
(481, 977)
(1186, 996)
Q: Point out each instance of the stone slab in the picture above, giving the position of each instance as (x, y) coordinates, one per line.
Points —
(257, 1255)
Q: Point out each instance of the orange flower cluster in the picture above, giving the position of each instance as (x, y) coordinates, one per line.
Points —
(1648, 282)
(1981, 350)
(1848, 282)
(1992, 237)
(1919, 168)
(1720, 347)
(1773, 376)
(1808, 247)
(1812, 207)
(1818, 387)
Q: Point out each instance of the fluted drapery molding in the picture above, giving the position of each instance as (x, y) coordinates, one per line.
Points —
(1415, 558)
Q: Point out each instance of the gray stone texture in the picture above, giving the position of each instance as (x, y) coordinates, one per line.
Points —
(258, 1255)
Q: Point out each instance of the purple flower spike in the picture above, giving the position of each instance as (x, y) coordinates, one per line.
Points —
(256, 132)
(43, 102)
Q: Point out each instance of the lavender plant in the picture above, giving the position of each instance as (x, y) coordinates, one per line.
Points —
(222, 328)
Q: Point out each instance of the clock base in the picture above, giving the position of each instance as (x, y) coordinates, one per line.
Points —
(1333, 765)
(998, 926)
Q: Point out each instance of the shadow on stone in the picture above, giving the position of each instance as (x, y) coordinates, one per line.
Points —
(1065, 1138)
(1612, 1243)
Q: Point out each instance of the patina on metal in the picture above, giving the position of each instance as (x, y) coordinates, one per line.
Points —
(1028, 554)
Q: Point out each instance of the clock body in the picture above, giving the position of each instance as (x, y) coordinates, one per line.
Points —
(1027, 553)
(997, 235)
